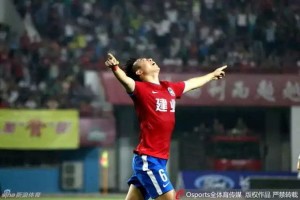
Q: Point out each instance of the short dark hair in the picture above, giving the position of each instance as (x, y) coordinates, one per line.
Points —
(129, 69)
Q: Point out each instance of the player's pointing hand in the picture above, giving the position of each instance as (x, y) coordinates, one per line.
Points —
(219, 73)
(111, 61)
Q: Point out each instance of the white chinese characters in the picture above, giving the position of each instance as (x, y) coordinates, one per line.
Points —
(240, 90)
(266, 90)
(162, 105)
(8, 194)
(172, 104)
(217, 89)
(291, 91)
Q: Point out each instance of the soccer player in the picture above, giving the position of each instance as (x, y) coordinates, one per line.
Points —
(154, 103)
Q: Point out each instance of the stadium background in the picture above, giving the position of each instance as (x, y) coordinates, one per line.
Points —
(68, 128)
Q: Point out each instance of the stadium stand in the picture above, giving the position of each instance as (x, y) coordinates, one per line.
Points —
(45, 67)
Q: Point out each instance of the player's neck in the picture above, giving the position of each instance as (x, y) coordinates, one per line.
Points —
(152, 79)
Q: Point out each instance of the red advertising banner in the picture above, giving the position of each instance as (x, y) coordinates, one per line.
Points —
(233, 90)
(97, 131)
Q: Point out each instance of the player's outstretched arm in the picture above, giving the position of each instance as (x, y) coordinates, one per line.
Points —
(197, 82)
(126, 81)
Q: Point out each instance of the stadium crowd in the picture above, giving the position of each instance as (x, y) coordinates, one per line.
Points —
(44, 68)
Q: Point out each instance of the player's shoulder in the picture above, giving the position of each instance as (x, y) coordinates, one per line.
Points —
(168, 83)
(140, 83)
(165, 83)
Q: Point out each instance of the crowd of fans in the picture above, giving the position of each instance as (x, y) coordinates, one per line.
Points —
(44, 68)
(37, 74)
(32, 76)
(240, 33)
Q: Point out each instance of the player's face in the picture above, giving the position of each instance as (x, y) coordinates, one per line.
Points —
(147, 66)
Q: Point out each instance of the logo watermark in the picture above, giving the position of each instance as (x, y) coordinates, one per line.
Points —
(179, 193)
(237, 194)
(9, 194)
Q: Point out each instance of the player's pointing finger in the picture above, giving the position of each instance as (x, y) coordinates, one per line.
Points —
(110, 56)
(224, 67)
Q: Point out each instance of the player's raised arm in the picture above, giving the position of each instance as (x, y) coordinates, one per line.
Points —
(126, 81)
(197, 82)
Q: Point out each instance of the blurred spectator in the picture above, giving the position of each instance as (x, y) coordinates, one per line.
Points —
(240, 128)
(52, 103)
(204, 130)
(31, 103)
(218, 127)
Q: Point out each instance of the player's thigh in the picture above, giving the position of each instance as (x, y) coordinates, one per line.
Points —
(167, 196)
(134, 193)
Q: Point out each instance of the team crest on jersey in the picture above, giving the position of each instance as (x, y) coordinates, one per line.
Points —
(171, 91)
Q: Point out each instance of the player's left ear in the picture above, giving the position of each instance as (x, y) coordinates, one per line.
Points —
(139, 72)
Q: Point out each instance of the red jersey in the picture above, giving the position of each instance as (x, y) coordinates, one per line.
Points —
(155, 108)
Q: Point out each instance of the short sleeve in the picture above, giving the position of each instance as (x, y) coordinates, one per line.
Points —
(137, 89)
(178, 88)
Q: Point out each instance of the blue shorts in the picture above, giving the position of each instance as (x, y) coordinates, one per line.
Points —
(150, 176)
